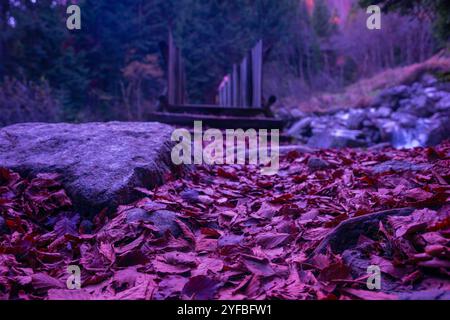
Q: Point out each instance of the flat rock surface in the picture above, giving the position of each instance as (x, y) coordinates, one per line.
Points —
(100, 163)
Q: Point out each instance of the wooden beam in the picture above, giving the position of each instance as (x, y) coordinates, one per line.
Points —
(218, 122)
(215, 110)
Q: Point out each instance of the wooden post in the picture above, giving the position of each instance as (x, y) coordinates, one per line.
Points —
(181, 79)
(171, 85)
(176, 86)
(220, 93)
(243, 83)
(229, 103)
(177, 77)
(235, 86)
(257, 75)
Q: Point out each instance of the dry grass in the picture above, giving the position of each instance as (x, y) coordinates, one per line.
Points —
(363, 92)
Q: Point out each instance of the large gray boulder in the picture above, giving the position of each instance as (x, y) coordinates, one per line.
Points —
(100, 163)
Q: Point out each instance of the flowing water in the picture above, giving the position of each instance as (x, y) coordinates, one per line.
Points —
(405, 138)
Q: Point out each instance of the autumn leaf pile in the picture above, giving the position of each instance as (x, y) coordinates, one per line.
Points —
(236, 234)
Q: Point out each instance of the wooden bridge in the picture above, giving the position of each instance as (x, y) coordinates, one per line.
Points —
(239, 103)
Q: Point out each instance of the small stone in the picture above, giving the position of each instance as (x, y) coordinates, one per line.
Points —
(430, 92)
(406, 120)
(437, 130)
(355, 119)
(418, 106)
(297, 114)
(230, 240)
(383, 112)
(317, 164)
(137, 214)
(444, 103)
(163, 220)
(398, 166)
(300, 128)
(190, 195)
(428, 79)
(392, 95)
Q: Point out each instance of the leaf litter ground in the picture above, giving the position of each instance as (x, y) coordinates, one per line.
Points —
(228, 232)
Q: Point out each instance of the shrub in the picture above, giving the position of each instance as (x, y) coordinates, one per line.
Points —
(22, 101)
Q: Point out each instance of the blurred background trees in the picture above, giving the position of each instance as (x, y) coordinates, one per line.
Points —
(437, 11)
(113, 68)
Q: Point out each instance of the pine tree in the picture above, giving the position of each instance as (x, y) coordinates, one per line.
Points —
(215, 34)
(301, 48)
(38, 48)
(87, 66)
(321, 19)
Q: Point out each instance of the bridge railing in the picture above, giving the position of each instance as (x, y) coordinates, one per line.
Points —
(243, 86)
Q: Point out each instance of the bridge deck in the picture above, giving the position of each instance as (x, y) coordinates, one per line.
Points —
(220, 122)
(216, 110)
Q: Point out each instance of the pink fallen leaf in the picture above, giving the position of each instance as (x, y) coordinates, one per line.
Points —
(271, 240)
(258, 266)
(371, 295)
(200, 288)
